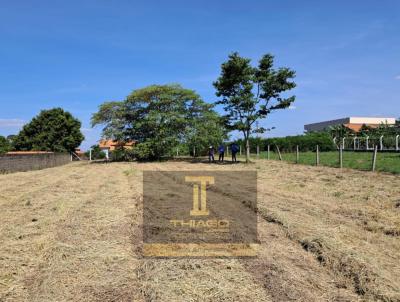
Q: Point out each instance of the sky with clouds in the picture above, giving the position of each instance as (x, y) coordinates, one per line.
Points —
(78, 54)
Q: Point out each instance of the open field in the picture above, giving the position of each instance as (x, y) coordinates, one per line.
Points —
(74, 233)
(386, 161)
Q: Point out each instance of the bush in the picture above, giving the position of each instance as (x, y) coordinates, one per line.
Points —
(4, 145)
(97, 153)
(144, 151)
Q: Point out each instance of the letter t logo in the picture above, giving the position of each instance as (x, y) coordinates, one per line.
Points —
(200, 209)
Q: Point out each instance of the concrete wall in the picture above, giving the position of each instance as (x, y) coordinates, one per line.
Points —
(27, 162)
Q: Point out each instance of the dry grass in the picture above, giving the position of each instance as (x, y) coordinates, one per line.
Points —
(73, 233)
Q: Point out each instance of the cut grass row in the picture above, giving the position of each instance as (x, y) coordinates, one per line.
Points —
(386, 161)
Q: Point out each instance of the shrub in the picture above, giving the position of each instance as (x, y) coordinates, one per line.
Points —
(144, 151)
(4, 145)
(97, 153)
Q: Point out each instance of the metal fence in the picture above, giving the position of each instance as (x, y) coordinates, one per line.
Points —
(384, 143)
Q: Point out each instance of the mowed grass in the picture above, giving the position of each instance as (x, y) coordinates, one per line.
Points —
(74, 233)
(386, 162)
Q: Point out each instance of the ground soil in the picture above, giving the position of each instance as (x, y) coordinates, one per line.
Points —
(73, 233)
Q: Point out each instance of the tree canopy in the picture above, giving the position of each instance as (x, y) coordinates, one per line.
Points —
(52, 130)
(159, 118)
(251, 93)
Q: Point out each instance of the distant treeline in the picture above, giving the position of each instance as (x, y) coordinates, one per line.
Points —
(306, 142)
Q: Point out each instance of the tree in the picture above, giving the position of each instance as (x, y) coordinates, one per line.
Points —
(205, 128)
(158, 117)
(52, 130)
(4, 145)
(251, 93)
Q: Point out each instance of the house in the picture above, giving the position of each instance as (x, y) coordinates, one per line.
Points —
(353, 123)
(109, 145)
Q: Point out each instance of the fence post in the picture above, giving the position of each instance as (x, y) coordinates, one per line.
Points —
(367, 141)
(297, 154)
(354, 143)
(177, 152)
(240, 149)
(341, 156)
(194, 151)
(268, 152)
(374, 158)
(227, 150)
(381, 142)
(317, 157)
(343, 142)
(258, 151)
(279, 152)
(90, 155)
(397, 142)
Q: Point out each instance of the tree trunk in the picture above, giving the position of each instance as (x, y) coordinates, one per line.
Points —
(247, 150)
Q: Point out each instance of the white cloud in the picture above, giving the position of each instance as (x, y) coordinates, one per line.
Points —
(14, 122)
(292, 107)
(86, 129)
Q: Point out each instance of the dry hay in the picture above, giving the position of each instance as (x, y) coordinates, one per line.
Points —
(74, 233)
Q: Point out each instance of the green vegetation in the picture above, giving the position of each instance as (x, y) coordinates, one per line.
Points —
(52, 130)
(97, 153)
(306, 142)
(5, 145)
(160, 118)
(249, 93)
(386, 161)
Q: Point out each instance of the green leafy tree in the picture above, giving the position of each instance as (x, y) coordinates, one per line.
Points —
(251, 93)
(5, 145)
(52, 130)
(205, 128)
(158, 117)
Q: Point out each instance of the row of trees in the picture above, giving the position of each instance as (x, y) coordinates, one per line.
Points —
(162, 117)
(305, 142)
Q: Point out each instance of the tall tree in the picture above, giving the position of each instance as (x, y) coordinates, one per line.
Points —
(52, 130)
(251, 93)
(159, 117)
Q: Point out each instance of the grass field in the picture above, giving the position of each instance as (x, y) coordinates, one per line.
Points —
(386, 161)
(73, 233)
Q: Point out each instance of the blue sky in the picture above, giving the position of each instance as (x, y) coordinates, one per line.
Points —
(78, 54)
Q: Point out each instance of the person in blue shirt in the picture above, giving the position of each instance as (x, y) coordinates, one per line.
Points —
(221, 151)
(234, 151)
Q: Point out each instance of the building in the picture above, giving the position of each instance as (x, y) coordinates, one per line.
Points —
(353, 123)
(107, 145)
